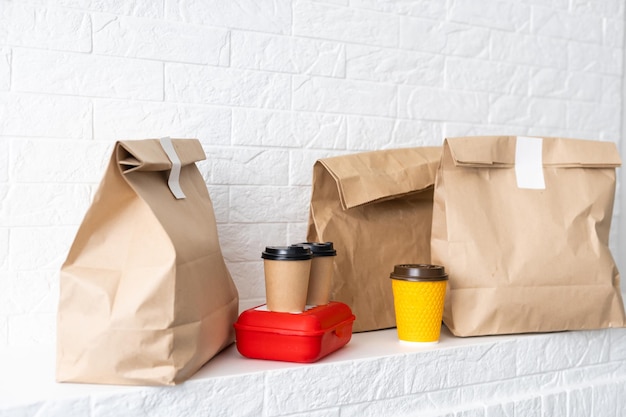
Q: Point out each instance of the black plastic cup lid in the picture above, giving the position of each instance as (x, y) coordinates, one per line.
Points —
(419, 272)
(287, 253)
(320, 249)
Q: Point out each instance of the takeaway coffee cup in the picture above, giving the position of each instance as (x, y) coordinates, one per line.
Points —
(418, 292)
(287, 270)
(321, 274)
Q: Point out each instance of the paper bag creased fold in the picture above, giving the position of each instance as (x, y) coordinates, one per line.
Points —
(146, 297)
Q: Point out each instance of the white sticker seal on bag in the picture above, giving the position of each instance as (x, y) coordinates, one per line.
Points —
(529, 163)
(174, 179)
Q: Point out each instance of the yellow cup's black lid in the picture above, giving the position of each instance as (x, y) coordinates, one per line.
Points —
(419, 272)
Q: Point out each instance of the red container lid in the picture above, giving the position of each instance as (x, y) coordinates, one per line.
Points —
(294, 337)
(312, 322)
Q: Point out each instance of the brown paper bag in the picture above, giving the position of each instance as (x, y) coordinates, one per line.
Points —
(146, 297)
(522, 227)
(376, 208)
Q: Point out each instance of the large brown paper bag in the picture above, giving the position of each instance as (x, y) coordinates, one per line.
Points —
(376, 208)
(146, 297)
(522, 227)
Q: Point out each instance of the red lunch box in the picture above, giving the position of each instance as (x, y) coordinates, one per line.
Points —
(294, 337)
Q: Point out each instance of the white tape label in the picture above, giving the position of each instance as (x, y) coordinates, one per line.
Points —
(529, 163)
(174, 179)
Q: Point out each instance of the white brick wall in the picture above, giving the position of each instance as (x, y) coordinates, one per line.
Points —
(269, 86)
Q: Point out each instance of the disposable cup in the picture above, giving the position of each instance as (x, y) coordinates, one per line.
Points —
(419, 291)
(286, 270)
(320, 278)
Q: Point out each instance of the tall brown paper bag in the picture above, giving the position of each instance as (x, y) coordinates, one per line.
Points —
(522, 227)
(146, 298)
(376, 208)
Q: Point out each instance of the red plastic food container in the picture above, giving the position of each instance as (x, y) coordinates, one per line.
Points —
(304, 337)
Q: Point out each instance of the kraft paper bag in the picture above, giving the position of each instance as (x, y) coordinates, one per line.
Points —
(376, 208)
(145, 295)
(522, 227)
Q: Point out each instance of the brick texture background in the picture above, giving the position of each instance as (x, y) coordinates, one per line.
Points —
(269, 86)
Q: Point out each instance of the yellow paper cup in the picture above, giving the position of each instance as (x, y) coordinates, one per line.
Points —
(419, 291)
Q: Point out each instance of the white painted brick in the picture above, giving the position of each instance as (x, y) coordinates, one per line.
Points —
(613, 33)
(528, 407)
(325, 21)
(4, 160)
(353, 97)
(607, 8)
(79, 161)
(244, 242)
(497, 14)
(500, 410)
(249, 277)
(592, 116)
(327, 412)
(269, 204)
(617, 345)
(418, 8)
(39, 291)
(245, 166)
(368, 133)
(528, 111)
(44, 116)
(611, 89)
(32, 329)
(86, 75)
(444, 37)
(168, 41)
(43, 204)
(272, 16)
(557, 351)
(50, 244)
(199, 84)
(399, 406)
(251, 50)
(4, 251)
(296, 232)
(550, 82)
(451, 130)
(220, 199)
(375, 379)
(324, 385)
(556, 4)
(41, 27)
(423, 103)
(602, 373)
(394, 66)
(594, 58)
(554, 404)
(302, 161)
(4, 333)
(288, 129)
(443, 369)
(138, 119)
(5, 69)
(560, 24)
(530, 50)
(140, 8)
(605, 400)
(579, 402)
(479, 75)
(621, 393)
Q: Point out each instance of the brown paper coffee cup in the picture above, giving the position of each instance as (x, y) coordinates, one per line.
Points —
(320, 278)
(287, 270)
